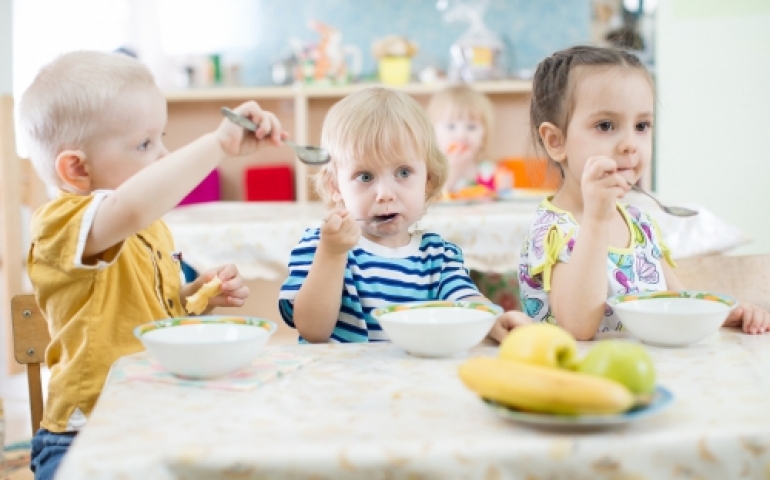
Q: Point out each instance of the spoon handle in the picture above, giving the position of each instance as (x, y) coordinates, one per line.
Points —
(239, 120)
(675, 211)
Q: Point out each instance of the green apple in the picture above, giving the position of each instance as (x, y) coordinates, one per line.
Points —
(540, 344)
(624, 362)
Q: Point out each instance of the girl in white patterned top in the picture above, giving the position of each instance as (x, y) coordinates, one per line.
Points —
(592, 111)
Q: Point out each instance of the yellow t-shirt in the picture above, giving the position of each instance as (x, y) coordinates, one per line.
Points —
(92, 308)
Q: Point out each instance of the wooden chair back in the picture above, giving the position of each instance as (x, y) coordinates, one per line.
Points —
(743, 277)
(30, 340)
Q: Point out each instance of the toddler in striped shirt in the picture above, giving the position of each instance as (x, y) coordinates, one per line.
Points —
(386, 168)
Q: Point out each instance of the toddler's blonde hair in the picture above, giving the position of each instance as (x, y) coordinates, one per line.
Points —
(378, 124)
(462, 100)
(68, 103)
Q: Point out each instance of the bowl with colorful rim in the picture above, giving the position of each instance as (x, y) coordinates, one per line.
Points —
(437, 328)
(672, 318)
(207, 346)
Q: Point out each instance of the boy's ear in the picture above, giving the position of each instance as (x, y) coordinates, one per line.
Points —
(553, 141)
(73, 171)
(331, 185)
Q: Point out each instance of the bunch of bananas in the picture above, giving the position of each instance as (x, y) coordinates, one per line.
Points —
(538, 370)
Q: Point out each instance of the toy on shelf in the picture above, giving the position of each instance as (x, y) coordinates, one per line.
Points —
(394, 59)
(327, 61)
(478, 54)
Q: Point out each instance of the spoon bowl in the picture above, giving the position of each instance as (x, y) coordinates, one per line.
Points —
(671, 210)
(308, 154)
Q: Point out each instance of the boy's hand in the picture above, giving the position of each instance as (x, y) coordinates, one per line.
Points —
(233, 292)
(236, 140)
(339, 232)
(507, 322)
(751, 318)
(602, 187)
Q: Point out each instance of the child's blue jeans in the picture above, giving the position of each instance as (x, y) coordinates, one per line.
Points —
(48, 449)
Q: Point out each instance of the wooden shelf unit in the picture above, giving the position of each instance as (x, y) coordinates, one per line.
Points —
(301, 109)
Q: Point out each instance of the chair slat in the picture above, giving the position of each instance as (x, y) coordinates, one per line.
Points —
(30, 330)
(744, 277)
(30, 340)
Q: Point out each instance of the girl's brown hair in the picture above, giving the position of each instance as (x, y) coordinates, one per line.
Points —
(555, 81)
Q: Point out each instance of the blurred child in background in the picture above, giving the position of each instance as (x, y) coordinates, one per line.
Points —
(463, 118)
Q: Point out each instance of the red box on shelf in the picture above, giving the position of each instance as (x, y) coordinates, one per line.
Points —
(269, 183)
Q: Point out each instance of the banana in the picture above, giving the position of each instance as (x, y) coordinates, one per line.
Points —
(544, 389)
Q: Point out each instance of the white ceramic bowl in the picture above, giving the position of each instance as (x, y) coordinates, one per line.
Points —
(437, 328)
(672, 319)
(205, 346)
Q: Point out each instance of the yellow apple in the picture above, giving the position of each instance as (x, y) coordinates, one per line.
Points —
(625, 362)
(540, 344)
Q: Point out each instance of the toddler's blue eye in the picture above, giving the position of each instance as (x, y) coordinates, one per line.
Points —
(365, 177)
(145, 145)
(403, 173)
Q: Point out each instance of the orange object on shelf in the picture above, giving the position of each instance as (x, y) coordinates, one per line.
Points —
(472, 193)
(534, 173)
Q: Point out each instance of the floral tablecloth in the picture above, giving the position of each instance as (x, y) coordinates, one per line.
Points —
(373, 411)
(258, 237)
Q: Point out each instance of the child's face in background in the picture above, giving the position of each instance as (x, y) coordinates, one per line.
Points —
(132, 138)
(460, 133)
(389, 195)
(613, 118)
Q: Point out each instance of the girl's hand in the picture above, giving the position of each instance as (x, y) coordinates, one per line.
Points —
(461, 165)
(507, 322)
(602, 186)
(236, 140)
(339, 232)
(751, 318)
(233, 292)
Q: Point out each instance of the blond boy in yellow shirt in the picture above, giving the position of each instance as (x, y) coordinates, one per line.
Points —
(102, 261)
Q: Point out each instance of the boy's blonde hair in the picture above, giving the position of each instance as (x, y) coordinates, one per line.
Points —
(463, 101)
(378, 124)
(68, 102)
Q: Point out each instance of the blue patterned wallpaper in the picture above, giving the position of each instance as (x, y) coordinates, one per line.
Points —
(531, 29)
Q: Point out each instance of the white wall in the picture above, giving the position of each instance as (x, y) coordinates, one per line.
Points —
(5, 88)
(713, 125)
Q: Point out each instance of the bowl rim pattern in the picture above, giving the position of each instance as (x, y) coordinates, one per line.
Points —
(618, 300)
(268, 325)
(489, 307)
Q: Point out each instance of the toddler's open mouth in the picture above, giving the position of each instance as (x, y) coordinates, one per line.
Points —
(383, 218)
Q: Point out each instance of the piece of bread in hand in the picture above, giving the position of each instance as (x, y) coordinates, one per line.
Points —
(197, 302)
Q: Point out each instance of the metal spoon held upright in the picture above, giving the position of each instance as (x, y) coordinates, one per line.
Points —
(675, 211)
(308, 154)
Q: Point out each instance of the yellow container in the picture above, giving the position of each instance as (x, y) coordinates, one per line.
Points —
(395, 70)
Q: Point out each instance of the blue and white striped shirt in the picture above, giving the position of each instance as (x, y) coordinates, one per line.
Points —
(428, 268)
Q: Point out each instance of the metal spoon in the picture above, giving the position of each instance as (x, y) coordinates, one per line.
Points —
(675, 211)
(308, 154)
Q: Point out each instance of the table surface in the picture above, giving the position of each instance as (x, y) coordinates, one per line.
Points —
(373, 411)
(258, 237)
